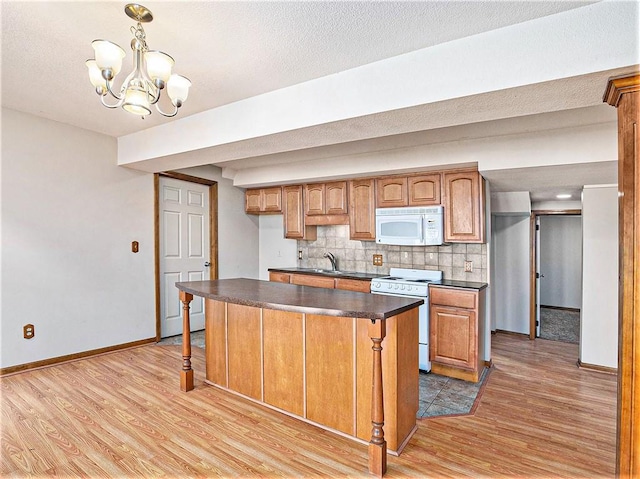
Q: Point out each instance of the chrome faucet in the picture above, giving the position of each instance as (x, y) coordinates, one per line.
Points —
(333, 261)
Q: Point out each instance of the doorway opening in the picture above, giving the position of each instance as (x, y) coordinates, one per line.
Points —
(556, 275)
(194, 238)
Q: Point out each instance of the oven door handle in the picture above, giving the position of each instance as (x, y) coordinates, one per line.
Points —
(402, 295)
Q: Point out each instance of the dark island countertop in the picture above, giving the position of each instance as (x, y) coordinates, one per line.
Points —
(328, 272)
(452, 283)
(302, 299)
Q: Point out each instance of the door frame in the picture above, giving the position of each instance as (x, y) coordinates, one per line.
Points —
(532, 261)
(213, 231)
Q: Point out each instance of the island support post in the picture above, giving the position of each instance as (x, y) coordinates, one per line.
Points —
(377, 445)
(186, 375)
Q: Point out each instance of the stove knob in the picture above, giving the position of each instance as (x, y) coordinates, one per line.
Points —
(402, 286)
(389, 286)
(409, 288)
(376, 285)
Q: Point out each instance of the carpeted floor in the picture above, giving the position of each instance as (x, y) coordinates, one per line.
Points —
(560, 325)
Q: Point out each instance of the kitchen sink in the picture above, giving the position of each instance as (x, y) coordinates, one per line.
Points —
(324, 271)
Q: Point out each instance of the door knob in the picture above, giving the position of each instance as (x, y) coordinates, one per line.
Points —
(207, 264)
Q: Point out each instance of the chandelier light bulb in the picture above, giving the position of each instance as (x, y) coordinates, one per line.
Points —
(152, 71)
(108, 56)
(136, 101)
(159, 67)
(178, 89)
(95, 77)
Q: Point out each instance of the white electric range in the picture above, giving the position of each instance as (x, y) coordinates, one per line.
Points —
(412, 283)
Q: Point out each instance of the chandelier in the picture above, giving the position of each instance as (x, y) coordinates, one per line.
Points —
(151, 72)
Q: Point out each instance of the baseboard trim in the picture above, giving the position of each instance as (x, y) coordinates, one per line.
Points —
(72, 357)
(561, 308)
(596, 368)
(513, 333)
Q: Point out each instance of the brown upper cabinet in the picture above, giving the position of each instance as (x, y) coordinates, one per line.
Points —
(463, 207)
(362, 211)
(322, 199)
(424, 190)
(263, 200)
(399, 191)
(294, 226)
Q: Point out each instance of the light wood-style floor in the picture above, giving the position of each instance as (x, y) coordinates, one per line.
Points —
(123, 415)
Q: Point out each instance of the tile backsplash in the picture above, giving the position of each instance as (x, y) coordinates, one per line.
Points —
(353, 255)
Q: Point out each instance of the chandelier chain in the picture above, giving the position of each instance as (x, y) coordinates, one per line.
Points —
(140, 35)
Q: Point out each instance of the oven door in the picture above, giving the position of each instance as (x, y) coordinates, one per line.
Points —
(423, 329)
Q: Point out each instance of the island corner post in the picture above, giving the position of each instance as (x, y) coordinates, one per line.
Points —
(376, 331)
(377, 444)
(186, 375)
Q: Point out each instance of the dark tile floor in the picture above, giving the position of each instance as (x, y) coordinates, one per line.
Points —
(439, 395)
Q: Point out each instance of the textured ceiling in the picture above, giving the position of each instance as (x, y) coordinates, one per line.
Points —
(239, 49)
(229, 50)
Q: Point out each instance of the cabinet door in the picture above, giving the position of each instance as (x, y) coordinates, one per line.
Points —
(424, 190)
(272, 200)
(454, 337)
(464, 207)
(314, 199)
(392, 192)
(283, 365)
(294, 215)
(335, 195)
(362, 212)
(312, 280)
(252, 201)
(244, 350)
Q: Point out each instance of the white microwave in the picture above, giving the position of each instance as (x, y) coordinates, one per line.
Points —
(410, 226)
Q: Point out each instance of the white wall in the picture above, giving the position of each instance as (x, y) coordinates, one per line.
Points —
(238, 232)
(556, 205)
(69, 215)
(275, 250)
(561, 261)
(599, 312)
(510, 274)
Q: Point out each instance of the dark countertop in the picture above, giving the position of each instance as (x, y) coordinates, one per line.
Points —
(451, 283)
(302, 299)
(327, 272)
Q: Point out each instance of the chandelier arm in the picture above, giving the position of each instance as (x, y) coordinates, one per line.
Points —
(115, 105)
(117, 97)
(154, 93)
(168, 115)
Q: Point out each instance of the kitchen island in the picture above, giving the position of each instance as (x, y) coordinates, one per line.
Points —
(342, 360)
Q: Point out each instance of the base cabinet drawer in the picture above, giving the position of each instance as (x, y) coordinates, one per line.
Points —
(279, 277)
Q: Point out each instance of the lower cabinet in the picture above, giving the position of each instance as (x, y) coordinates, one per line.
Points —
(456, 332)
(350, 284)
(315, 367)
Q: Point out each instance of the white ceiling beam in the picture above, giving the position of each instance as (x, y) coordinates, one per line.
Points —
(400, 94)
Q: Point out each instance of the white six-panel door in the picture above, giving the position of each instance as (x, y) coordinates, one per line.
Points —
(184, 249)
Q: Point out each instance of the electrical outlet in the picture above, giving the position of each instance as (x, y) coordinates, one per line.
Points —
(468, 266)
(29, 331)
(299, 254)
(377, 260)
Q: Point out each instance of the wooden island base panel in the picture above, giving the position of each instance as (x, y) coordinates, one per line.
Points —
(342, 360)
